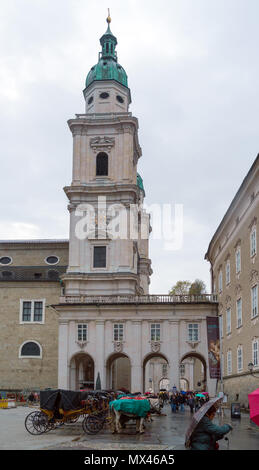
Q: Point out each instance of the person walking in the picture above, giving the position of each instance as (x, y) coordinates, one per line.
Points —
(206, 434)
(173, 403)
(181, 402)
(191, 403)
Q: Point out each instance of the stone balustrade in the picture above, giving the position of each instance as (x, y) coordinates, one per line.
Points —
(138, 299)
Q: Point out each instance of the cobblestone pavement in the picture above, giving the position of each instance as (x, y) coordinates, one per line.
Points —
(165, 432)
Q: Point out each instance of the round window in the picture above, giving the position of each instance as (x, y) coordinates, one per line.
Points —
(120, 99)
(90, 100)
(52, 260)
(5, 260)
(104, 95)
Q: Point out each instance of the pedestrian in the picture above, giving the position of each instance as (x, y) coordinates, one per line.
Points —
(31, 398)
(181, 401)
(206, 434)
(191, 403)
(173, 403)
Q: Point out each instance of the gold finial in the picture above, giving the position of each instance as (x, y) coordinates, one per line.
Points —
(109, 18)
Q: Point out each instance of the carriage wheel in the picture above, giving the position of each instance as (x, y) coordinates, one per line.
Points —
(36, 422)
(92, 424)
(72, 419)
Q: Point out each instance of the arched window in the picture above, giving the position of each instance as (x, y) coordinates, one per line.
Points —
(102, 164)
(30, 349)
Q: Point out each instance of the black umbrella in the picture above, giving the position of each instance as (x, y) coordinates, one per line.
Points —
(197, 417)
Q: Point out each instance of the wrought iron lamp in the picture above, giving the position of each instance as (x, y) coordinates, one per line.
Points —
(251, 368)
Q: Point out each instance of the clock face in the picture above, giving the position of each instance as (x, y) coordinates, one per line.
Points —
(120, 99)
(90, 100)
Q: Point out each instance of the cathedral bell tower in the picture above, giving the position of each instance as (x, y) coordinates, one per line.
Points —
(109, 229)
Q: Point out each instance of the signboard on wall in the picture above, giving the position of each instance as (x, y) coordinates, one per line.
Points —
(213, 347)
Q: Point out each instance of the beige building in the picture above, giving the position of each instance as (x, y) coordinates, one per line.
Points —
(234, 258)
(29, 283)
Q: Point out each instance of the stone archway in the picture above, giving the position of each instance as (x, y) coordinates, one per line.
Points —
(118, 372)
(193, 370)
(155, 368)
(81, 372)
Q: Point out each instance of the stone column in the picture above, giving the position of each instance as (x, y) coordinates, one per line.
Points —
(76, 155)
(99, 354)
(136, 359)
(74, 251)
(174, 375)
(63, 366)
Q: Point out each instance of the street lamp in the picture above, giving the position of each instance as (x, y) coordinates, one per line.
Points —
(251, 368)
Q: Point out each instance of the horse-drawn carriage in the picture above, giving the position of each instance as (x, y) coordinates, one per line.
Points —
(58, 407)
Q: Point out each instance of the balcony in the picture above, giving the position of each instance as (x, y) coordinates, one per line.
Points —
(138, 299)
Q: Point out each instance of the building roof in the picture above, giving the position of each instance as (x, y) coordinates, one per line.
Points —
(32, 242)
(107, 67)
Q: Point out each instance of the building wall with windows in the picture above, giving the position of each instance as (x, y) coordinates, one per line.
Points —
(29, 328)
(233, 254)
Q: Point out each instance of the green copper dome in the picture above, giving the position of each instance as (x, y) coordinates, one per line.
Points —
(107, 67)
(140, 182)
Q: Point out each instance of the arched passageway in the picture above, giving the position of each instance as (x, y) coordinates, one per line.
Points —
(118, 372)
(193, 372)
(81, 372)
(155, 369)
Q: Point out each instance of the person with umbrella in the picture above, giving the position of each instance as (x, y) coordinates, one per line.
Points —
(203, 434)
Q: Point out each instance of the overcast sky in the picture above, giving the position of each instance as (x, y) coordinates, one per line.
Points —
(193, 70)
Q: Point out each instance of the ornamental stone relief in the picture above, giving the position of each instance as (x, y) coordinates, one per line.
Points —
(254, 276)
(155, 346)
(227, 299)
(118, 346)
(81, 344)
(102, 143)
(238, 289)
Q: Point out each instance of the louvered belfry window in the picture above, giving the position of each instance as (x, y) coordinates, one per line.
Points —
(102, 164)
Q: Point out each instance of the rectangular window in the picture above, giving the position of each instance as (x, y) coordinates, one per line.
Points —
(99, 257)
(164, 370)
(82, 332)
(228, 317)
(26, 311)
(220, 281)
(118, 332)
(38, 307)
(254, 301)
(255, 352)
(182, 370)
(239, 313)
(228, 272)
(220, 326)
(32, 311)
(238, 261)
(239, 358)
(253, 242)
(155, 332)
(229, 362)
(193, 332)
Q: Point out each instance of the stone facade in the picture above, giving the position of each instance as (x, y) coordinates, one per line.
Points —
(235, 279)
(27, 258)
